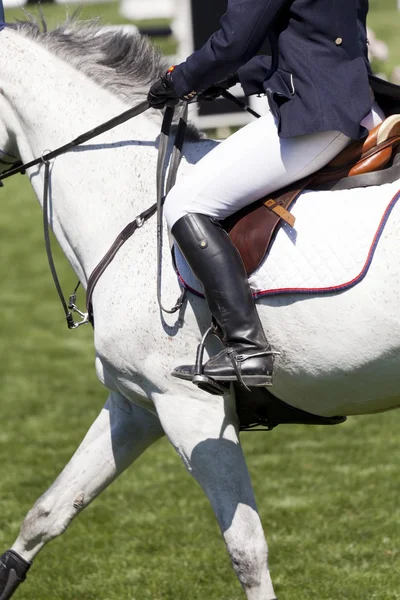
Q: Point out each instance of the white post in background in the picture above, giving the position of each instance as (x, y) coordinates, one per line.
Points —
(182, 28)
(13, 3)
(146, 9)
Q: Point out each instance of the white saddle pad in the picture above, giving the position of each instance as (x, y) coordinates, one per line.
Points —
(330, 247)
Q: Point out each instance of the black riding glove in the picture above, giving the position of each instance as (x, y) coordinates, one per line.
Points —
(213, 92)
(162, 93)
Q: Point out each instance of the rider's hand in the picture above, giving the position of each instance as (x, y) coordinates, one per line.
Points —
(162, 93)
(217, 90)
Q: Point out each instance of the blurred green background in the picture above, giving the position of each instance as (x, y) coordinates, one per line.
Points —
(329, 498)
(384, 19)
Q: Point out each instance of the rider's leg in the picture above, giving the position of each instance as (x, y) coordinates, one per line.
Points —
(247, 166)
(250, 164)
(119, 435)
(206, 439)
(218, 265)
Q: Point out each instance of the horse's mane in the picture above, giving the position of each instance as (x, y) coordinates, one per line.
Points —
(122, 61)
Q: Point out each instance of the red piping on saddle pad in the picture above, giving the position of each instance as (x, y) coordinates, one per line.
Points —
(324, 290)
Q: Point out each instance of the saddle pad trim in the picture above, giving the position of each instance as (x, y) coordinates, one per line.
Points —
(323, 290)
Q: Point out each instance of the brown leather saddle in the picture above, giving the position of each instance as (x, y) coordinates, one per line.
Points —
(372, 161)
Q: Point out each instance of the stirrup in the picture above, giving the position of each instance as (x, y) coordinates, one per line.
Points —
(210, 385)
(207, 384)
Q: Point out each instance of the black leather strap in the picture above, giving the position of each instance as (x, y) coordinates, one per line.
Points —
(125, 234)
(84, 137)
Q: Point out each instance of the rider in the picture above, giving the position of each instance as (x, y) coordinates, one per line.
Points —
(317, 85)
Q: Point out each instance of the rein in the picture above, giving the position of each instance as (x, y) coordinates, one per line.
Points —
(129, 230)
(140, 220)
(137, 223)
(162, 193)
(81, 139)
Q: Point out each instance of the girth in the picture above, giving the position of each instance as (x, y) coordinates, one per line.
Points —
(252, 229)
(260, 408)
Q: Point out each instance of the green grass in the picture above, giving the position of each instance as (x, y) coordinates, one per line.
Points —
(107, 11)
(329, 497)
(384, 19)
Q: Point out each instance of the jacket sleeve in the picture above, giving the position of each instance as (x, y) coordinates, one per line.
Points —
(244, 28)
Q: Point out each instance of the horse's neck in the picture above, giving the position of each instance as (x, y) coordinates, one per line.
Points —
(95, 191)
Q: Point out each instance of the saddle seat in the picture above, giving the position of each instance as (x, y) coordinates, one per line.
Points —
(253, 228)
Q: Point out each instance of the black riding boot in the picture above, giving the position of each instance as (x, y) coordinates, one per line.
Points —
(13, 570)
(216, 263)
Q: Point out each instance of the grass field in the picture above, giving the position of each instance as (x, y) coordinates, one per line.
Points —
(329, 498)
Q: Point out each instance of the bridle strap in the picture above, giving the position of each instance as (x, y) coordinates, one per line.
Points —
(4, 156)
(46, 231)
(45, 159)
(129, 230)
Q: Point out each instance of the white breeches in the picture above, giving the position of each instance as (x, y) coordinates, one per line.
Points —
(252, 163)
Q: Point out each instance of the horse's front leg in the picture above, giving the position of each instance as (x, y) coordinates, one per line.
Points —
(118, 436)
(204, 431)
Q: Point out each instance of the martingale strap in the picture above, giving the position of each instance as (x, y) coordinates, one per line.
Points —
(130, 229)
(45, 159)
(125, 234)
(19, 167)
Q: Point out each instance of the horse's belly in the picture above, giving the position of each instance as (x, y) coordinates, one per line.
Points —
(340, 354)
(339, 394)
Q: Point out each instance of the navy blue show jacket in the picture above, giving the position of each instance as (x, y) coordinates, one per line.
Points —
(318, 76)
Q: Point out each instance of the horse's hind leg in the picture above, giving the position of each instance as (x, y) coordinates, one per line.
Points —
(205, 435)
(117, 437)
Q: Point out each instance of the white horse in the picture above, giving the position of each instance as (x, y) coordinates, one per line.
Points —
(339, 354)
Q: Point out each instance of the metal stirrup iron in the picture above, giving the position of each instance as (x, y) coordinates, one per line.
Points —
(207, 384)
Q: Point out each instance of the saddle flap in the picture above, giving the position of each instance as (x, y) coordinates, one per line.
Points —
(252, 229)
(248, 230)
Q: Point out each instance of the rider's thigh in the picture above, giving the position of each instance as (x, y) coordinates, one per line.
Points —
(250, 164)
